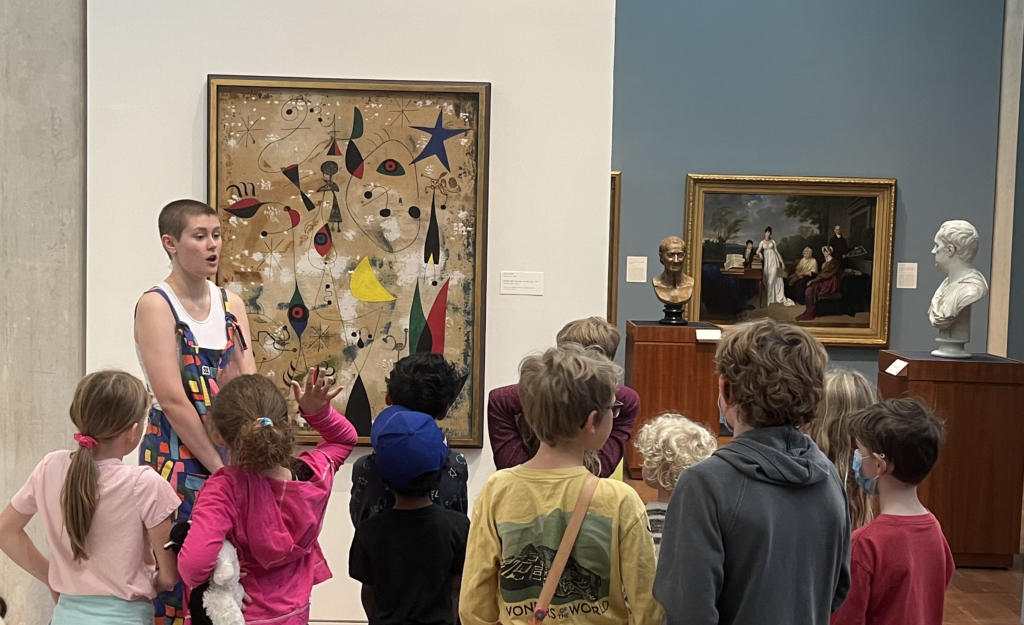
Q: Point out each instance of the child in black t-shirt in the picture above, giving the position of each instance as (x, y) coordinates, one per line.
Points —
(409, 558)
(427, 383)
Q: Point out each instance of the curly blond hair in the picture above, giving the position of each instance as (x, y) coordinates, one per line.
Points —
(671, 443)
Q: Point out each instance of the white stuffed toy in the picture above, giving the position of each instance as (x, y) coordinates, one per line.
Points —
(217, 601)
(223, 597)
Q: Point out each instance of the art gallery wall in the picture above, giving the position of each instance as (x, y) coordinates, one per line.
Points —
(908, 90)
(1015, 332)
(550, 154)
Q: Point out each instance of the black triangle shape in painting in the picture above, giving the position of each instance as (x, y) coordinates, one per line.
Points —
(358, 410)
(432, 244)
(353, 160)
(462, 386)
(426, 343)
(291, 172)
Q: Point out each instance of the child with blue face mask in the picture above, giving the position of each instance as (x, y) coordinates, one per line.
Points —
(900, 563)
(868, 484)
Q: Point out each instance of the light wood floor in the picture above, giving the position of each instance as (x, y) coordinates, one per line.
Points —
(974, 597)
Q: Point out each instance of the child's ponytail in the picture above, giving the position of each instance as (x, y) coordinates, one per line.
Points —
(78, 500)
(263, 444)
(252, 416)
(106, 404)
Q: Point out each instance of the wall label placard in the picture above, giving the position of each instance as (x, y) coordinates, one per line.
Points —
(522, 283)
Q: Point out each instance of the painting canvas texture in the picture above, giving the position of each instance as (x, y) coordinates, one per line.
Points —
(353, 219)
(762, 253)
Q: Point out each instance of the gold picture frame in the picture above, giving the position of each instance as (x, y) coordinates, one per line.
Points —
(613, 248)
(384, 268)
(846, 303)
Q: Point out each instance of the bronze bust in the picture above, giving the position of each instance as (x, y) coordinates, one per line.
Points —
(673, 287)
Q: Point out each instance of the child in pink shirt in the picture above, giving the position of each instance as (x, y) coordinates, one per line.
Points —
(269, 504)
(103, 519)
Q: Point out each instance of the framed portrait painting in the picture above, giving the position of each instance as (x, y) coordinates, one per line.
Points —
(354, 220)
(816, 252)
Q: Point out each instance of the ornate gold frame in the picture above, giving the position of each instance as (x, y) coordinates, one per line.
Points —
(883, 189)
(483, 92)
(613, 248)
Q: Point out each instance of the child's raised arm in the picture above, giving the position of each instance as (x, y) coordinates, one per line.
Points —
(339, 436)
(15, 542)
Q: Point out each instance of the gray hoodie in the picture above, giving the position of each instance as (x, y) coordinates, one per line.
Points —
(759, 533)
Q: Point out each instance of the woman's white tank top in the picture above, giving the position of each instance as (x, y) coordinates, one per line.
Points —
(211, 333)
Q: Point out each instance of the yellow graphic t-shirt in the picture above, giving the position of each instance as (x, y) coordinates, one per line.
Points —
(517, 525)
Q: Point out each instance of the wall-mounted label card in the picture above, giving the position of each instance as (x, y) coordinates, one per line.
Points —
(897, 366)
(708, 335)
(636, 269)
(906, 275)
(522, 283)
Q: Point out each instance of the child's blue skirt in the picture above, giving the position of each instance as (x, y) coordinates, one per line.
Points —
(101, 609)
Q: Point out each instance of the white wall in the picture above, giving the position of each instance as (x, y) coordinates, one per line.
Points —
(42, 349)
(550, 65)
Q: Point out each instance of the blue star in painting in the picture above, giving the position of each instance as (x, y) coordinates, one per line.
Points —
(438, 135)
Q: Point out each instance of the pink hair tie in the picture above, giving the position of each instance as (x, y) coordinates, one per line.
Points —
(85, 441)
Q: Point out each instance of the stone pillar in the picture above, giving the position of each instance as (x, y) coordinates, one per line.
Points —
(42, 253)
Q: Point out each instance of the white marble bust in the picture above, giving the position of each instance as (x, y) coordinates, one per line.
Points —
(956, 246)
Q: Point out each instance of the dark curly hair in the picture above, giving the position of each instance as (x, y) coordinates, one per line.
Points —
(424, 382)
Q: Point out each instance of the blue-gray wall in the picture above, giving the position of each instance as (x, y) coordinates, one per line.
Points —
(908, 90)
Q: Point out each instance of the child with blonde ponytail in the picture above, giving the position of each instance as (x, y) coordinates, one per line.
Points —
(103, 519)
(268, 503)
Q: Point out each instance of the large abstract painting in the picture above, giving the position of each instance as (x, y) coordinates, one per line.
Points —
(354, 224)
(816, 252)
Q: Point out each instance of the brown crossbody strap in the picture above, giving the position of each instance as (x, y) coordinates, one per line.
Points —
(547, 593)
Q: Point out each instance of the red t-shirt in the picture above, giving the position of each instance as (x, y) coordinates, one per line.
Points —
(899, 571)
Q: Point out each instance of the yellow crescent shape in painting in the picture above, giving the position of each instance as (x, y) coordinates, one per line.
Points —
(366, 287)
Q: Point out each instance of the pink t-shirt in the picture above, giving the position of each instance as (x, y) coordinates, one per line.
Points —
(132, 499)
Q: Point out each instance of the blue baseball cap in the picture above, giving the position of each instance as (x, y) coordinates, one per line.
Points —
(408, 444)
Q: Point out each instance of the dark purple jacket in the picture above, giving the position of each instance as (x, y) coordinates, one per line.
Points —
(507, 444)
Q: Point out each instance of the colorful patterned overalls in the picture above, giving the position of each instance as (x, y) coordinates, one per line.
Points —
(161, 448)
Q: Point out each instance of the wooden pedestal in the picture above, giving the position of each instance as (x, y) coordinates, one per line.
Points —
(670, 371)
(976, 486)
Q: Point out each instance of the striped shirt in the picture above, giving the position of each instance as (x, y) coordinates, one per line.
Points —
(656, 515)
